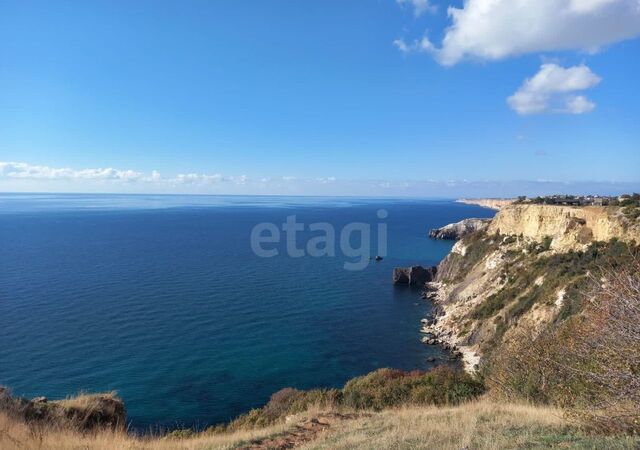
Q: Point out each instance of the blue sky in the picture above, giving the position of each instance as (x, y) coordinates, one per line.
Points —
(331, 97)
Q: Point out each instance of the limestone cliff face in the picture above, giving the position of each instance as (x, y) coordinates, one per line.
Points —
(526, 270)
(491, 203)
(458, 230)
(570, 228)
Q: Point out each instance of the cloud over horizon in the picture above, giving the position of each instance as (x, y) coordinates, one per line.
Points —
(497, 29)
(26, 171)
(25, 177)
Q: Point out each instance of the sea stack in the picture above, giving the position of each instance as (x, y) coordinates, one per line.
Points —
(413, 276)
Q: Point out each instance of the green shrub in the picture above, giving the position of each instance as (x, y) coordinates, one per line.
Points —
(284, 403)
(383, 388)
(489, 307)
(387, 388)
(524, 303)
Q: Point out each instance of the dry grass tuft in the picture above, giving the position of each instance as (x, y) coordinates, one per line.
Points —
(477, 425)
(15, 435)
(482, 424)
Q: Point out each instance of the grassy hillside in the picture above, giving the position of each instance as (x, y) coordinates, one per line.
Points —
(476, 425)
(482, 424)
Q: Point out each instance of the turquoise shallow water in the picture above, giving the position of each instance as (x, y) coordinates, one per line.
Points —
(162, 299)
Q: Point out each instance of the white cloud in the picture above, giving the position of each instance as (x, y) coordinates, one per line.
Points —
(24, 177)
(579, 104)
(553, 89)
(197, 178)
(109, 179)
(496, 29)
(28, 171)
(422, 45)
(323, 180)
(402, 45)
(25, 171)
(588, 6)
(419, 6)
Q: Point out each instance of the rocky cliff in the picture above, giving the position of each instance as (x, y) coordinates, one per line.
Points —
(491, 203)
(570, 228)
(460, 229)
(526, 270)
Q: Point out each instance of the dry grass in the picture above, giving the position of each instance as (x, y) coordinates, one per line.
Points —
(18, 436)
(84, 400)
(478, 425)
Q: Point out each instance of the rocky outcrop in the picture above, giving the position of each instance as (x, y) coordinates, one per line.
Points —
(85, 412)
(458, 230)
(568, 227)
(413, 276)
(491, 203)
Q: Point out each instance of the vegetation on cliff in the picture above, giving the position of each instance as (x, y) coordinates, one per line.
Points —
(480, 425)
(381, 389)
(554, 325)
(84, 412)
(588, 363)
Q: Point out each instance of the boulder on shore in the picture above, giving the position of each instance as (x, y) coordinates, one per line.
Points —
(413, 276)
(460, 229)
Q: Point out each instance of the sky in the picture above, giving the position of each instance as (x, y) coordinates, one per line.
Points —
(430, 98)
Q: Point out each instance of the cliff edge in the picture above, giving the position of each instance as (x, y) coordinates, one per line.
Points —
(491, 203)
(460, 229)
(570, 228)
(526, 270)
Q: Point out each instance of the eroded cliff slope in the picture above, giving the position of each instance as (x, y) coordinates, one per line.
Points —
(525, 271)
(570, 228)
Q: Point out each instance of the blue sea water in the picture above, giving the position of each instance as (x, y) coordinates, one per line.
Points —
(162, 299)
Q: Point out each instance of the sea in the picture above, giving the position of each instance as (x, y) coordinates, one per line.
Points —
(195, 309)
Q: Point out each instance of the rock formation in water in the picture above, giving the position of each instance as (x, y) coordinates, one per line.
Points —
(455, 231)
(414, 276)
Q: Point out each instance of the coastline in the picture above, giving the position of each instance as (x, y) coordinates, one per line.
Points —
(436, 327)
(491, 203)
(439, 328)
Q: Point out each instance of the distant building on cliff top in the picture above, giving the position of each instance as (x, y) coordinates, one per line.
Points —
(570, 200)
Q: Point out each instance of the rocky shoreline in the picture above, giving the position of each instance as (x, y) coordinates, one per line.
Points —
(437, 332)
(438, 328)
(479, 279)
(434, 329)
